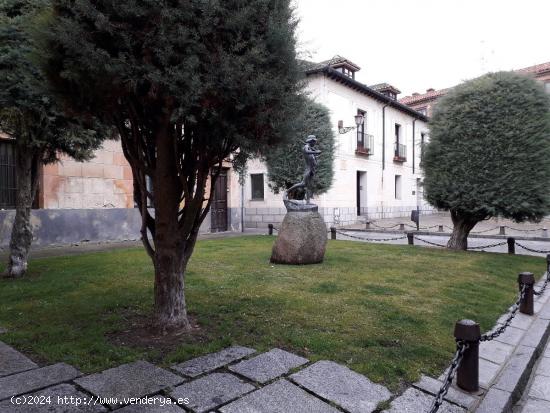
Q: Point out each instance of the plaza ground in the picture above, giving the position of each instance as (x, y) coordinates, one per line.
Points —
(386, 311)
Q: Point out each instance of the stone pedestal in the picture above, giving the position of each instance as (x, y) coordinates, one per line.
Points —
(302, 239)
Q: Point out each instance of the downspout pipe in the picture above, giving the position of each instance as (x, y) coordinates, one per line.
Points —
(414, 121)
(384, 135)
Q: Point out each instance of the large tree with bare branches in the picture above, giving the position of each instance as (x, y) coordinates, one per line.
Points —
(186, 83)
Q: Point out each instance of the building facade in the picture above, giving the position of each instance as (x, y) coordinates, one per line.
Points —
(426, 102)
(377, 165)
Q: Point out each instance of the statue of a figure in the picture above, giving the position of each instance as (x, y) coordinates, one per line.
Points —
(310, 157)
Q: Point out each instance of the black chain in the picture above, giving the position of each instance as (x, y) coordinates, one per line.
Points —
(485, 230)
(379, 226)
(531, 249)
(541, 291)
(515, 308)
(429, 242)
(482, 247)
(371, 239)
(524, 230)
(461, 347)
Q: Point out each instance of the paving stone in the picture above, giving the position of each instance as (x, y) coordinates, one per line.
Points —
(540, 388)
(338, 384)
(495, 351)
(55, 399)
(136, 379)
(210, 362)
(278, 397)
(12, 361)
(517, 370)
(536, 406)
(521, 321)
(36, 379)
(544, 366)
(511, 336)
(456, 396)
(268, 366)
(153, 404)
(495, 401)
(547, 351)
(415, 401)
(211, 391)
(544, 313)
(537, 334)
(487, 372)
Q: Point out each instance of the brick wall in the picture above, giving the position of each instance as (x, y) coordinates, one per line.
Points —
(103, 182)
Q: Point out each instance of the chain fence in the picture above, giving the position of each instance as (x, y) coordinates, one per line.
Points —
(491, 335)
(543, 287)
(461, 347)
(532, 249)
(370, 239)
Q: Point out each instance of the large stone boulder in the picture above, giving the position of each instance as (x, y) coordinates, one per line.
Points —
(302, 239)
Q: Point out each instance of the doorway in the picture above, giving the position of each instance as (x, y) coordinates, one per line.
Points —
(218, 207)
(361, 193)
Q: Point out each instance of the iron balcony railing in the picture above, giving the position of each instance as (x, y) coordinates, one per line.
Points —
(400, 153)
(365, 146)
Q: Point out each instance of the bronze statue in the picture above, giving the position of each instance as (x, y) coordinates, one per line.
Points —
(310, 157)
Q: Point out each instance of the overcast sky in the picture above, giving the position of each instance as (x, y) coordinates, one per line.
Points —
(418, 44)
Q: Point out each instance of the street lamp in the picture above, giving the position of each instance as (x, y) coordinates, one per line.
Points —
(359, 119)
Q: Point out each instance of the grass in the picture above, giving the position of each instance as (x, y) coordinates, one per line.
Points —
(385, 311)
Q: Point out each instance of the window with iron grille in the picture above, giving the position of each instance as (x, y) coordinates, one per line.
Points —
(7, 174)
(257, 181)
(361, 144)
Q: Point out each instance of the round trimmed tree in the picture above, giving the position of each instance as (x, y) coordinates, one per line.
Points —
(285, 163)
(488, 153)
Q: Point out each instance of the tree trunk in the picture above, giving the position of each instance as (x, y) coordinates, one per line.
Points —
(462, 225)
(26, 178)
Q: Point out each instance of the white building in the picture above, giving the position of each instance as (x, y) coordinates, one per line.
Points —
(377, 165)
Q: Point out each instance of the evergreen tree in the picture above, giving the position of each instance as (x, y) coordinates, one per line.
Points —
(186, 83)
(285, 163)
(488, 153)
(31, 117)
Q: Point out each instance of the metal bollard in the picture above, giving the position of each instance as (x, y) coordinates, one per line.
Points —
(545, 232)
(410, 238)
(440, 228)
(526, 305)
(367, 225)
(270, 226)
(502, 230)
(401, 227)
(547, 264)
(467, 377)
(332, 233)
(511, 245)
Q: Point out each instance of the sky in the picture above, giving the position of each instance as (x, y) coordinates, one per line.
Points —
(419, 44)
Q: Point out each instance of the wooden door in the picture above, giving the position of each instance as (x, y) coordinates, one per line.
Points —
(218, 208)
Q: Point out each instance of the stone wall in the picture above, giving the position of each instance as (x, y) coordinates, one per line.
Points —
(54, 227)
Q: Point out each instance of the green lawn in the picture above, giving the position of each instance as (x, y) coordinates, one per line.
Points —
(386, 311)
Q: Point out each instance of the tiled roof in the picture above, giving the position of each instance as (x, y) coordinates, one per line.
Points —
(536, 69)
(385, 86)
(336, 60)
(409, 100)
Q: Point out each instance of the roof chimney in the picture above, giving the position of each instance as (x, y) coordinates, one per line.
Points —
(430, 90)
(416, 93)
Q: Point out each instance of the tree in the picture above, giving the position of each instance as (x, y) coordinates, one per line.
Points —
(285, 163)
(185, 83)
(30, 116)
(487, 157)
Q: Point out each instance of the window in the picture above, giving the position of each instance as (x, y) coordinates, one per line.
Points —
(257, 183)
(397, 186)
(397, 133)
(422, 144)
(7, 174)
(423, 111)
(547, 87)
(361, 130)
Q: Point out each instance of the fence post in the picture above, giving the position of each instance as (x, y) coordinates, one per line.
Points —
(367, 225)
(502, 230)
(270, 226)
(526, 305)
(401, 227)
(545, 232)
(467, 377)
(511, 245)
(440, 229)
(332, 233)
(410, 238)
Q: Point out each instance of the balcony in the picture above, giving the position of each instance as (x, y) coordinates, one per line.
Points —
(400, 154)
(365, 146)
